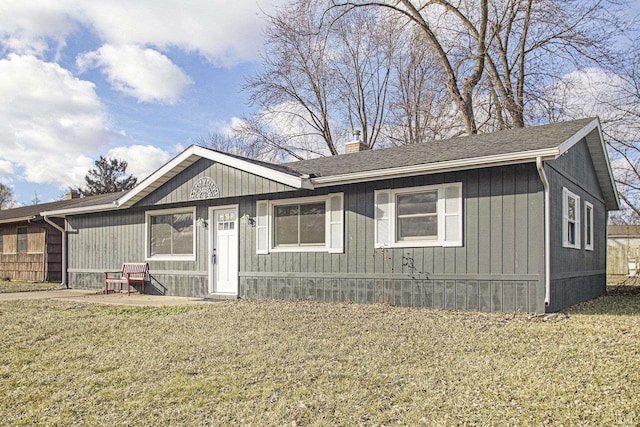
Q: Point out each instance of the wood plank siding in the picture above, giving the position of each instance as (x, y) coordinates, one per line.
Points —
(37, 258)
(576, 274)
(498, 268)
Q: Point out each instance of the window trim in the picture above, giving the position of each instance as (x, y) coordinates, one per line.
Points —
(566, 194)
(266, 225)
(147, 236)
(588, 226)
(387, 218)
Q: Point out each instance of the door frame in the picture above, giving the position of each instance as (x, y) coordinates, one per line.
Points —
(211, 285)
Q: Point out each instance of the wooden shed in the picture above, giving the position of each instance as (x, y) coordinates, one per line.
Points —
(509, 221)
(30, 248)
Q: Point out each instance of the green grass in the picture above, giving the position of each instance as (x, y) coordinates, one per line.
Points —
(304, 363)
(20, 286)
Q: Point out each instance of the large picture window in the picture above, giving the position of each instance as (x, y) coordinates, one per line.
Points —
(170, 234)
(419, 216)
(299, 224)
(304, 224)
(571, 219)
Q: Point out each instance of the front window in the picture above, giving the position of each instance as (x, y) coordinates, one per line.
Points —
(417, 216)
(306, 224)
(299, 224)
(21, 243)
(171, 234)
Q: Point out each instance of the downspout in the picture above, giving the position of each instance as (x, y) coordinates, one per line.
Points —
(547, 232)
(64, 249)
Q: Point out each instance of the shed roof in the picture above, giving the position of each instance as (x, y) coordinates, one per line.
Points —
(33, 212)
(512, 146)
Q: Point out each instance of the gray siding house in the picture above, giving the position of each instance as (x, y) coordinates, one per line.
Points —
(513, 221)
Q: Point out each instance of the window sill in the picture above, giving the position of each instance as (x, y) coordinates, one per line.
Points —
(171, 258)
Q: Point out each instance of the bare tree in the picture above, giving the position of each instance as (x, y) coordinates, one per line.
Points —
(6, 196)
(503, 52)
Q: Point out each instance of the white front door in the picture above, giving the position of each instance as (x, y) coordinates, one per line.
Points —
(223, 250)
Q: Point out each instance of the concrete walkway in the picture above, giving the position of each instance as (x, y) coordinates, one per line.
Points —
(94, 297)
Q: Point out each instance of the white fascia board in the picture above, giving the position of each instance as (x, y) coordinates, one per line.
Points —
(197, 152)
(262, 171)
(429, 168)
(577, 137)
(61, 213)
(19, 219)
(593, 126)
(162, 171)
(605, 153)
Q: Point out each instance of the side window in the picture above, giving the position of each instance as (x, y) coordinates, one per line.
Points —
(570, 219)
(588, 226)
(21, 243)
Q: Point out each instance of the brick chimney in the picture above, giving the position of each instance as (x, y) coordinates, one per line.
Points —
(73, 194)
(355, 145)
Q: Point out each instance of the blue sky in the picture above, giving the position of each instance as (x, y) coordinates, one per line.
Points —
(139, 80)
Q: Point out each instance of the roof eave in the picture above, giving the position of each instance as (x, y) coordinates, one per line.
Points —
(18, 219)
(61, 213)
(439, 167)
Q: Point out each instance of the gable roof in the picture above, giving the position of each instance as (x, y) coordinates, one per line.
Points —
(513, 146)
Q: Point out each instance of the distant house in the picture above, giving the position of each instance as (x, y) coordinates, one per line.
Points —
(509, 221)
(31, 248)
(623, 253)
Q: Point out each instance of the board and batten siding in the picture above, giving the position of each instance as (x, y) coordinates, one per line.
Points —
(231, 182)
(498, 268)
(576, 274)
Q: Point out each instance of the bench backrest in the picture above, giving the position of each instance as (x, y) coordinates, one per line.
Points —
(136, 270)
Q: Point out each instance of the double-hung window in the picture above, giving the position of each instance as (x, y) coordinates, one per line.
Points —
(419, 216)
(170, 234)
(588, 226)
(298, 225)
(570, 219)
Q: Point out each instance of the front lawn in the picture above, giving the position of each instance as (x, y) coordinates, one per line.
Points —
(20, 286)
(304, 363)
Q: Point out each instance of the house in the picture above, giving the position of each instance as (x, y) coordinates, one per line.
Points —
(30, 248)
(623, 252)
(511, 221)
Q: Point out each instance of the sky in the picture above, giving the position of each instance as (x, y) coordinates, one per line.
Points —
(139, 80)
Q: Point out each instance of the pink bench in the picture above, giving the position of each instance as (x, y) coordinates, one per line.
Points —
(131, 273)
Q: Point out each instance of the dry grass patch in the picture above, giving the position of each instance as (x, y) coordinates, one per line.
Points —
(304, 363)
(20, 286)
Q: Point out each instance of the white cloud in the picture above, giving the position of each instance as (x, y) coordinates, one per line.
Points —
(145, 74)
(27, 27)
(142, 160)
(223, 32)
(46, 116)
(6, 168)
